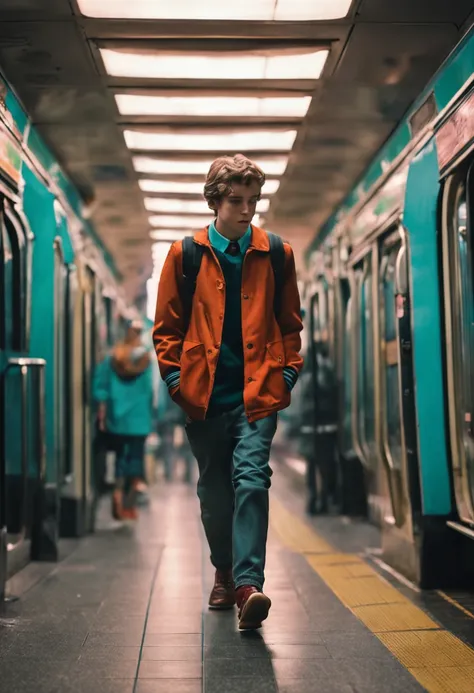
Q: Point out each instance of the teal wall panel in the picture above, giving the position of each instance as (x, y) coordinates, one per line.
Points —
(38, 205)
(420, 219)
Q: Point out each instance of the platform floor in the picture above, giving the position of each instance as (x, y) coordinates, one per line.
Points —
(126, 612)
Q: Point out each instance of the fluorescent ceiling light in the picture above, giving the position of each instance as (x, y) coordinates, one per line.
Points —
(191, 188)
(177, 222)
(270, 186)
(171, 186)
(239, 141)
(274, 166)
(245, 10)
(302, 65)
(137, 104)
(145, 164)
(170, 206)
(168, 235)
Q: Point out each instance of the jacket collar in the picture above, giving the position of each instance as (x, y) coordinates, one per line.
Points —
(259, 240)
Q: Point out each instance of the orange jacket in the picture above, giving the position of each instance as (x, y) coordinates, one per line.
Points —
(268, 345)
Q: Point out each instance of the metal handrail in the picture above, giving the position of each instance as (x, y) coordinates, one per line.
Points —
(25, 364)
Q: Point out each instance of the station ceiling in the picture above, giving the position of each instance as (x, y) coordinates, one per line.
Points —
(324, 82)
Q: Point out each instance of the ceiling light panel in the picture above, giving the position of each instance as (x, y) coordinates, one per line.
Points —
(257, 140)
(168, 235)
(164, 221)
(177, 222)
(303, 65)
(136, 105)
(245, 10)
(274, 166)
(170, 206)
(171, 187)
(176, 187)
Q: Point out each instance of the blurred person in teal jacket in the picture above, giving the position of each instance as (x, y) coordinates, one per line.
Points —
(123, 389)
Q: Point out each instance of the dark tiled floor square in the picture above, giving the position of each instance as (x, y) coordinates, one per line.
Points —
(110, 653)
(298, 637)
(309, 669)
(170, 670)
(45, 646)
(104, 668)
(67, 685)
(321, 685)
(237, 668)
(175, 625)
(173, 639)
(247, 684)
(113, 639)
(285, 651)
(344, 645)
(172, 653)
(169, 686)
(372, 675)
(240, 650)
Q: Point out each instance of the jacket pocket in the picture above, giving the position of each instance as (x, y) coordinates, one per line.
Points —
(194, 379)
(273, 393)
(276, 351)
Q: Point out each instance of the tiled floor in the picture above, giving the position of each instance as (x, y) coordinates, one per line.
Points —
(126, 613)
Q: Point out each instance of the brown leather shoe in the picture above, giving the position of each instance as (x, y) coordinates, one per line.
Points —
(253, 607)
(223, 593)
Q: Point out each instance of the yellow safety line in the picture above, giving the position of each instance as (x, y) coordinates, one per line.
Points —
(437, 659)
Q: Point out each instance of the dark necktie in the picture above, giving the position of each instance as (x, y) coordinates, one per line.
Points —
(233, 248)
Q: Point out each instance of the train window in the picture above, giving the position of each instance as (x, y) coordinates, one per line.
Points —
(464, 240)
(7, 289)
(390, 363)
(458, 246)
(14, 262)
(109, 319)
(368, 328)
(366, 372)
(347, 379)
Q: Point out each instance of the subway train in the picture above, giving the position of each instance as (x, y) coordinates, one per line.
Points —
(61, 307)
(389, 305)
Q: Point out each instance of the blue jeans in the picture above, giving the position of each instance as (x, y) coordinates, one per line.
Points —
(130, 456)
(234, 478)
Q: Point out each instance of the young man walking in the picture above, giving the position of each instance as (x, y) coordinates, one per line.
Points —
(229, 353)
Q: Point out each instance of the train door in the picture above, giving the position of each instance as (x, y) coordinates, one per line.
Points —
(458, 277)
(321, 349)
(397, 428)
(346, 381)
(61, 405)
(69, 357)
(87, 341)
(363, 323)
(19, 391)
(352, 487)
(78, 457)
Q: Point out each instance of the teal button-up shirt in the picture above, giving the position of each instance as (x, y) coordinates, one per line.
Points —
(229, 379)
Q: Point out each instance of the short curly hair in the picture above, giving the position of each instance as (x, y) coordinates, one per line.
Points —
(227, 170)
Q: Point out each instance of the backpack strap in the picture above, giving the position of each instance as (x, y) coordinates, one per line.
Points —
(277, 257)
(192, 258)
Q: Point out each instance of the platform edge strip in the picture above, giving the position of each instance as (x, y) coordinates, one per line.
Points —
(406, 631)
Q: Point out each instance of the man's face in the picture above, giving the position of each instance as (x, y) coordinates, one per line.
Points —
(236, 210)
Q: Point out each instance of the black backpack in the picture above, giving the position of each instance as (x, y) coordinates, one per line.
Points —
(192, 257)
